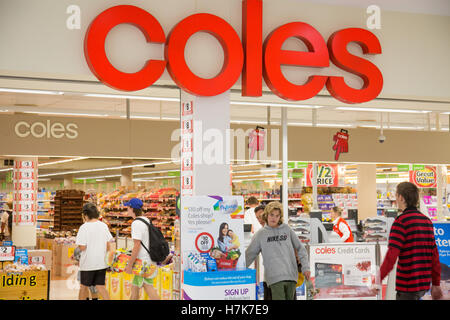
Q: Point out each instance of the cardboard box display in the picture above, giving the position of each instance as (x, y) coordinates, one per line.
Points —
(56, 257)
(67, 264)
(41, 256)
(127, 280)
(115, 292)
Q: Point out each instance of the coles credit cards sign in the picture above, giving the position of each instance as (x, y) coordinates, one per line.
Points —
(327, 175)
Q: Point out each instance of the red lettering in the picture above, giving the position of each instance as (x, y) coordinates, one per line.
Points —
(260, 60)
(371, 75)
(325, 250)
(274, 57)
(231, 44)
(252, 43)
(94, 48)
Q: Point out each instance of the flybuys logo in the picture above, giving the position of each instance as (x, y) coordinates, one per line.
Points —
(230, 207)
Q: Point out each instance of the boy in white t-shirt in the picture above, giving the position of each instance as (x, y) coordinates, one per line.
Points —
(139, 232)
(94, 240)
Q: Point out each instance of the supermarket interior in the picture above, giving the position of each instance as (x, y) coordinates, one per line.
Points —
(196, 136)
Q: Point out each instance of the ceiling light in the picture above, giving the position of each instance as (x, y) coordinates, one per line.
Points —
(382, 110)
(30, 91)
(61, 161)
(106, 169)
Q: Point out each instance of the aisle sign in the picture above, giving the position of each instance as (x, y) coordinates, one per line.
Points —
(424, 178)
(343, 271)
(297, 165)
(327, 175)
(403, 167)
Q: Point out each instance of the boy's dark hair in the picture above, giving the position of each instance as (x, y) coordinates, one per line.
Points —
(261, 207)
(252, 201)
(137, 212)
(90, 210)
(409, 192)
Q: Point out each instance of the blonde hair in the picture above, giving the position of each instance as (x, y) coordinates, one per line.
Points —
(275, 205)
(337, 210)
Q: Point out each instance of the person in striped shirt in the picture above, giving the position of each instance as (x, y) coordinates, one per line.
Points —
(412, 242)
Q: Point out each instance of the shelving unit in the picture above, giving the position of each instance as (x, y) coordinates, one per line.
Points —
(159, 206)
(45, 210)
(68, 209)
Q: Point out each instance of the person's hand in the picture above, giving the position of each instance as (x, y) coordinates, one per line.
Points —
(128, 268)
(167, 260)
(436, 292)
(307, 274)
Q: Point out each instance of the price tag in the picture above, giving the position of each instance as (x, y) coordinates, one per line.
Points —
(24, 165)
(188, 108)
(24, 206)
(187, 164)
(25, 195)
(24, 174)
(7, 253)
(36, 260)
(187, 144)
(187, 182)
(187, 126)
(24, 185)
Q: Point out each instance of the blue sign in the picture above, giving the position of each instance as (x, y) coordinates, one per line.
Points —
(442, 236)
(7, 243)
(21, 256)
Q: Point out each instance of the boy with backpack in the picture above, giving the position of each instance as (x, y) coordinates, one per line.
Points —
(141, 232)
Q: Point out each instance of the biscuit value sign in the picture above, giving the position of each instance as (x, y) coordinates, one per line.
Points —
(256, 58)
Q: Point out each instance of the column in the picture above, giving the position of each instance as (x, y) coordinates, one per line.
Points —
(126, 179)
(441, 190)
(24, 202)
(205, 145)
(367, 190)
(68, 181)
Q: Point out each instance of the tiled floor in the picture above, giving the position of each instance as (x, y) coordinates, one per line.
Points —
(64, 289)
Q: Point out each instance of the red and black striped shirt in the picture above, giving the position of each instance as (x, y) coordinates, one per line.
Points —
(412, 241)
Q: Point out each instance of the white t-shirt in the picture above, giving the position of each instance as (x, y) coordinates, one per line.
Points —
(139, 231)
(93, 235)
(4, 220)
(250, 218)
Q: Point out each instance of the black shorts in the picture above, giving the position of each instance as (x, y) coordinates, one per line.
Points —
(93, 277)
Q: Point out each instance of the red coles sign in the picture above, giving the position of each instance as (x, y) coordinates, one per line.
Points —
(253, 57)
(340, 143)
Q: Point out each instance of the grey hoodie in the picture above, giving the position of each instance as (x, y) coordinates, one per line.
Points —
(277, 248)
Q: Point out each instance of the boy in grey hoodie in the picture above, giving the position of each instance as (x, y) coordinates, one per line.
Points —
(277, 242)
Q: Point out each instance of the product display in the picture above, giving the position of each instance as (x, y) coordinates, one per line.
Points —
(68, 207)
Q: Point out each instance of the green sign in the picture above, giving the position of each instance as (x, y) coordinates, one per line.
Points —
(381, 176)
(9, 176)
(3, 185)
(78, 181)
(297, 165)
(388, 176)
(173, 173)
(418, 167)
(295, 175)
(403, 167)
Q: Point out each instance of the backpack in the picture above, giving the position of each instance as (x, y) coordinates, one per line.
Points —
(159, 248)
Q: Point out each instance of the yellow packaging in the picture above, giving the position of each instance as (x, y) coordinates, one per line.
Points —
(107, 282)
(116, 286)
(142, 294)
(157, 282)
(166, 283)
(127, 280)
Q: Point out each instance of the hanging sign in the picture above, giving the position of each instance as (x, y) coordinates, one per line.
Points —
(340, 143)
(256, 140)
(425, 178)
(327, 175)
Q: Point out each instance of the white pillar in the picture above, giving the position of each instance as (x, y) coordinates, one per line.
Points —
(441, 186)
(126, 179)
(68, 181)
(314, 186)
(285, 180)
(24, 202)
(207, 126)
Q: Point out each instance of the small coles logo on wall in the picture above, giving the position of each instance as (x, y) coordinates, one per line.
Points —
(254, 58)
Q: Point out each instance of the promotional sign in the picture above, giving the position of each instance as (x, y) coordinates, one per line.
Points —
(7, 252)
(424, 178)
(442, 236)
(212, 248)
(256, 141)
(187, 148)
(343, 271)
(25, 189)
(251, 63)
(30, 285)
(327, 175)
(340, 143)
